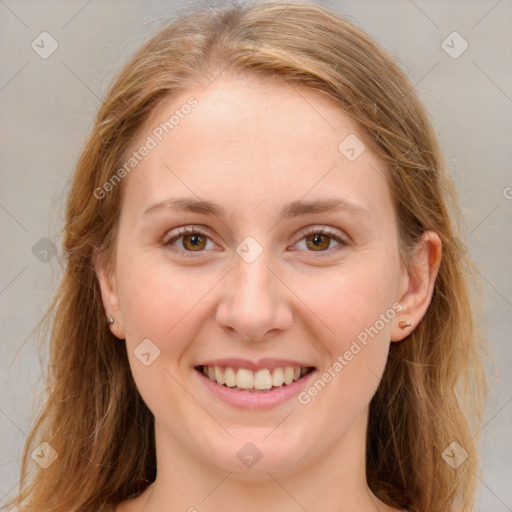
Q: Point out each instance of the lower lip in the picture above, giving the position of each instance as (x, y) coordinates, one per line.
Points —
(255, 399)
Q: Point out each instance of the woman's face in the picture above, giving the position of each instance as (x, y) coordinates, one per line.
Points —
(255, 286)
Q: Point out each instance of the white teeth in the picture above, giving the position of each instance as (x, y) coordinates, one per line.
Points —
(264, 379)
(245, 379)
(230, 378)
(288, 375)
(277, 377)
(219, 376)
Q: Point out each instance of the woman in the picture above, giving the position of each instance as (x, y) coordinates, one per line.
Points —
(266, 304)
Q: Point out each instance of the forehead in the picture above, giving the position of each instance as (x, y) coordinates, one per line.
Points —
(255, 145)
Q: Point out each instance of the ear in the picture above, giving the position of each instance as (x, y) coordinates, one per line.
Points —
(417, 284)
(109, 297)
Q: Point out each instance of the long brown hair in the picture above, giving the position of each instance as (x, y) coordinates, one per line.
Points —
(432, 390)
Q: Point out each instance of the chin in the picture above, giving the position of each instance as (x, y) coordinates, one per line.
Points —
(254, 460)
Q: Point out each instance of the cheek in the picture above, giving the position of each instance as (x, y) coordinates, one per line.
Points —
(350, 299)
(359, 313)
(162, 303)
(353, 307)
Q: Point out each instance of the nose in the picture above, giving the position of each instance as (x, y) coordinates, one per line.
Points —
(255, 301)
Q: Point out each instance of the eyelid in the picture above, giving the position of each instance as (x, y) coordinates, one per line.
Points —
(184, 230)
(310, 230)
(343, 240)
(176, 234)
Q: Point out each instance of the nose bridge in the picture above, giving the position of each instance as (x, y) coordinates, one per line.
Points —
(251, 273)
(253, 278)
(254, 301)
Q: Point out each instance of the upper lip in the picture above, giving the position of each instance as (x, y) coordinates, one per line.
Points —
(268, 362)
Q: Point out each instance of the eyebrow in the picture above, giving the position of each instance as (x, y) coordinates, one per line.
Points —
(289, 210)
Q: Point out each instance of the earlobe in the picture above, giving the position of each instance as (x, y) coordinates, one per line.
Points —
(417, 285)
(109, 297)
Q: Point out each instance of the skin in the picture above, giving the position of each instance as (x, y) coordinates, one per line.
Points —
(251, 147)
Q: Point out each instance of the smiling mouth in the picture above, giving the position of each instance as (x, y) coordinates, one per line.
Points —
(264, 380)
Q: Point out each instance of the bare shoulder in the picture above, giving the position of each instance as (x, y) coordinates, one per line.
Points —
(137, 504)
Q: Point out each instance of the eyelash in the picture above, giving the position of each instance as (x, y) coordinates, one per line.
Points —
(197, 231)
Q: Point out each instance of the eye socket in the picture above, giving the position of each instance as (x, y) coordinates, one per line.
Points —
(198, 240)
(197, 236)
(319, 235)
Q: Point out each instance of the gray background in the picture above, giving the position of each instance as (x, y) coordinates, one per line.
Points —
(47, 107)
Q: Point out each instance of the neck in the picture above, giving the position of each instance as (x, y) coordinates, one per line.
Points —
(334, 481)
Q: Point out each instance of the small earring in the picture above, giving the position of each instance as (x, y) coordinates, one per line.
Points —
(404, 323)
(110, 320)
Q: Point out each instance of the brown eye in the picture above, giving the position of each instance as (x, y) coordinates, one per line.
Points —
(318, 241)
(194, 242)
